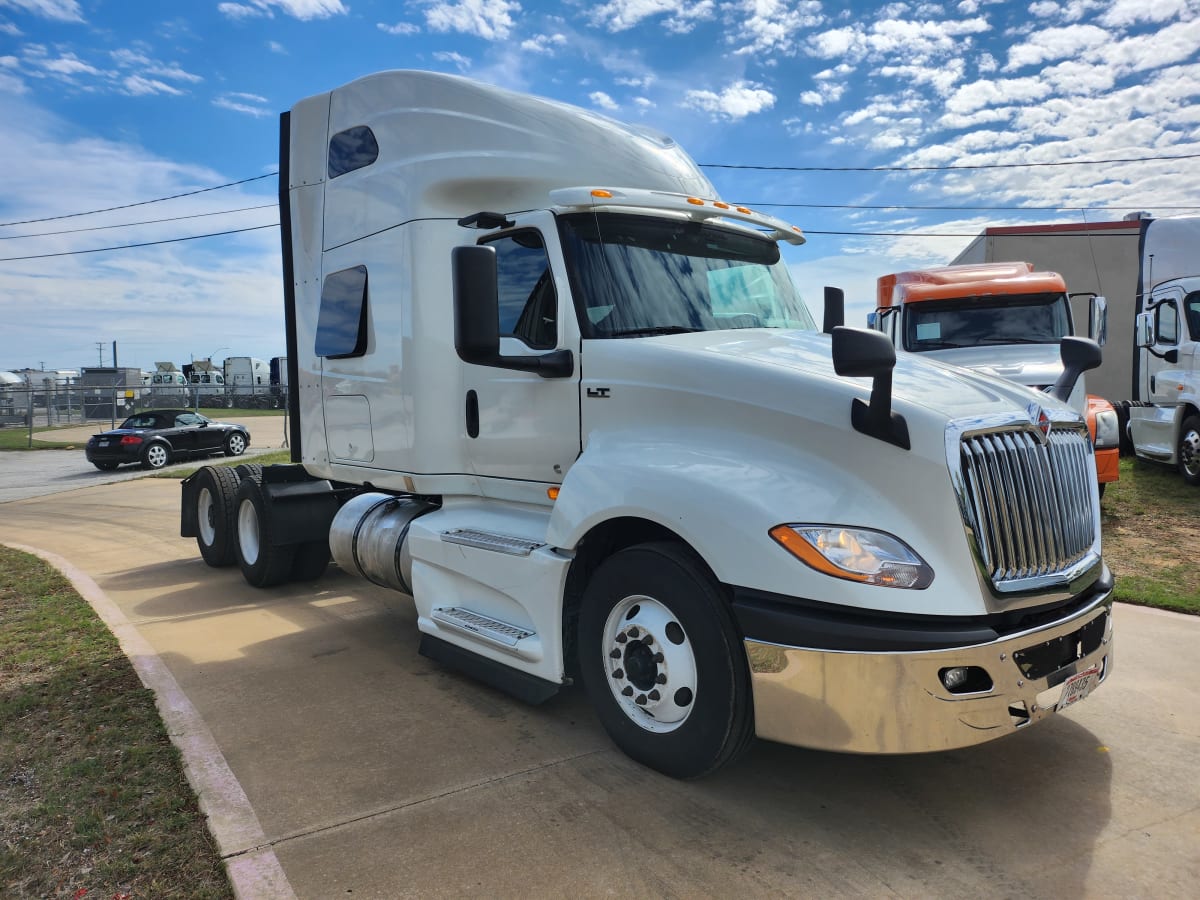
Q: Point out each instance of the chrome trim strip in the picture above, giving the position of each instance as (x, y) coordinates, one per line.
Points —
(486, 540)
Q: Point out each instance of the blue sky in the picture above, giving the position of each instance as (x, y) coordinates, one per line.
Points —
(112, 102)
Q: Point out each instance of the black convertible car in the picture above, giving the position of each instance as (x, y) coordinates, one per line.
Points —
(158, 436)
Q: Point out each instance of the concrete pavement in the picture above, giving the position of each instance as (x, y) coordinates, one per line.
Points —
(373, 772)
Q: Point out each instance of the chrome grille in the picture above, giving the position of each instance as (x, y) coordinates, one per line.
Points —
(1029, 503)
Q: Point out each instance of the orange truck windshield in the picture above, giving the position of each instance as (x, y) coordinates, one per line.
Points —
(986, 321)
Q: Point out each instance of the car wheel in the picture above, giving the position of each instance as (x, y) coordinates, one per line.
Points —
(235, 444)
(105, 466)
(662, 662)
(155, 456)
(263, 564)
(312, 559)
(215, 509)
(1189, 450)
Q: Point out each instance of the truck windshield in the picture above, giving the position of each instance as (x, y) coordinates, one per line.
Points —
(986, 321)
(643, 275)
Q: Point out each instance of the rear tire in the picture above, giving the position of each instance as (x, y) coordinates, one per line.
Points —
(106, 466)
(216, 506)
(662, 662)
(1189, 450)
(263, 564)
(155, 456)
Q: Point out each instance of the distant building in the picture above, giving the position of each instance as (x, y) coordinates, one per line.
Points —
(1100, 257)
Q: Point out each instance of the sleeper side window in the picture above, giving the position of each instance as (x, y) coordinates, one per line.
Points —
(352, 149)
(342, 321)
(528, 300)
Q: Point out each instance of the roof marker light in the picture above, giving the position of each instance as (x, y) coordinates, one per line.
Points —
(695, 201)
(720, 205)
(601, 193)
(744, 211)
(552, 493)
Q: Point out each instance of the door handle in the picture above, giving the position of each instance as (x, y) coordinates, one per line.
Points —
(472, 414)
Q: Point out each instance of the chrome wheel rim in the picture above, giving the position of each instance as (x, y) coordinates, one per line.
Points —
(650, 664)
(237, 444)
(1189, 453)
(206, 515)
(248, 538)
(157, 456)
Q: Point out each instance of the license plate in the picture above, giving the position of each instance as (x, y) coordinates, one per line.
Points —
(1077, 687)
(102, 443)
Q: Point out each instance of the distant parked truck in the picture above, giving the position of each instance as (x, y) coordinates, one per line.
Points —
(207, 385)
(1164, 419)
(279, 379)
(247, 380)
(1002, 319)
(168, 386)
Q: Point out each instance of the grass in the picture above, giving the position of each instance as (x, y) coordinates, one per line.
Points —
(93, 801)
(263, 459)
(1151, 521)
(18, 439)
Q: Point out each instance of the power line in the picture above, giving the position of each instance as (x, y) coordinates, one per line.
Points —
(223, 212)
(194, 237)
(90, 212)
(1029, 165)
(901, 206)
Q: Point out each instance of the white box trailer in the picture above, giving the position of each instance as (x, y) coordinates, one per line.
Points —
(1164, 419)
(544, 381)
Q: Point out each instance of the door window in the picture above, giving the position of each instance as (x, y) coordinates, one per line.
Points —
(525, 285)
(1191, 309)
(1166, 323)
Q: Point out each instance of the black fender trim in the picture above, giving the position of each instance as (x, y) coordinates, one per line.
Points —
(521, 685)
(797, 622)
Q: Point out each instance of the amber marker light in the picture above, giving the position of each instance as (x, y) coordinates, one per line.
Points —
(855, 554)
(552, 493)
(695, 201)
(744, 211)
(719, 205)
(602, 194)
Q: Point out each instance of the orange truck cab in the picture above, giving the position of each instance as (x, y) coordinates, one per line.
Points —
(1003, 319)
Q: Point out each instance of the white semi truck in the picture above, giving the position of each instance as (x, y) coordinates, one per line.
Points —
(549, 386)
(1164, 420)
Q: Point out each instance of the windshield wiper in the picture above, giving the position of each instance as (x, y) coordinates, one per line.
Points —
(1017, 340)
(652, 330)
(938, 345)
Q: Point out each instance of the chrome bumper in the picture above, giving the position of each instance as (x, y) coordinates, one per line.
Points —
(895, 702)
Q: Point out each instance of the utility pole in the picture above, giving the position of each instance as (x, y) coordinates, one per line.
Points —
(100, 350)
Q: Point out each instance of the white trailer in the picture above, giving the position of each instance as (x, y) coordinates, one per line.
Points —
(1164, 420)
(546, 383)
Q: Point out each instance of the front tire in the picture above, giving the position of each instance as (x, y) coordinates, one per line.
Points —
(1189, 450)
(216, 507)
(662, 662)
(263, 564)
(235, 444)
(155, 456)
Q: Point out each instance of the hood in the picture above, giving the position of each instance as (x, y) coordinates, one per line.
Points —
(1036, 365)
(941, 390)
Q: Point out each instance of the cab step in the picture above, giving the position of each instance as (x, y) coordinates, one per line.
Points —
(492, 630)
(488, 540)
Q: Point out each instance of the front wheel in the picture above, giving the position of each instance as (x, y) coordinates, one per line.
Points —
(1189, 450)
(662, 662)
(235, 444)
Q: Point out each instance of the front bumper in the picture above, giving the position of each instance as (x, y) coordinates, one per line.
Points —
(895, 702)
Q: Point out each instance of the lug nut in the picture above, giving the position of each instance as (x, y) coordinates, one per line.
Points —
(658, 657)
(628, 692)
(648, 638)
(654, 695)
(618, 673)
(641, 700)
(614, 654)
(621, 638)
(633, 632)
(660, 678)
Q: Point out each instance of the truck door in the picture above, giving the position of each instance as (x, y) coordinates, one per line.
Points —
(527, 426)
(1155, 431)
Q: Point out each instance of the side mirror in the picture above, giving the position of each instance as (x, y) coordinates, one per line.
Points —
(835, 309)
(869, 354)
(1098, 320)
(873, 321)
(1143, 330)
(477, 317)
(1078, 356)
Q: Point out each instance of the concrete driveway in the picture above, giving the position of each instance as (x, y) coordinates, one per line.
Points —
(373, 772)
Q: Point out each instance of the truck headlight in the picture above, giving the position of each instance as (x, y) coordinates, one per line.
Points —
(1108, 431)
(856, 554)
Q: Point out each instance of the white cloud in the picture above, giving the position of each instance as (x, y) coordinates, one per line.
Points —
(827, 92)
(603, 101)
(1055, 43)
(400, 28)
(643, 103)
(69, 64)
(276, 47)
(994, 92)
(941, 78)
(771, 26)
(304, 10)
(10, 29)
(138, 86)
(130, 59)
(544, 44)
(489, 19)
(737, 101)
(1072, 11)
(58, 10)
(1131, 12)
(681, 15)
(247, 104)
(462, 63)
(917, 42)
